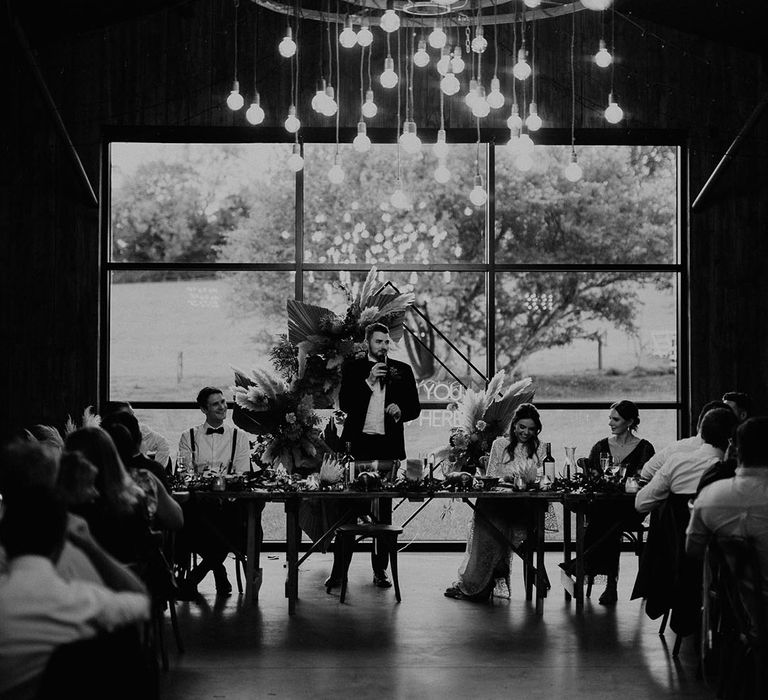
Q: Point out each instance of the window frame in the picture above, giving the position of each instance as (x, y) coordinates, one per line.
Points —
(491, 139)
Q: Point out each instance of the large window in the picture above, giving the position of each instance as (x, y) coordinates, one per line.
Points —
(578, 285)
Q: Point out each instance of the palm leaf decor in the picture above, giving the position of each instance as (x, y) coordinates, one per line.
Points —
(304, 320)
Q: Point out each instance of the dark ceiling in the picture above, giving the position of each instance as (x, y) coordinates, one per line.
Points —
(734, 22)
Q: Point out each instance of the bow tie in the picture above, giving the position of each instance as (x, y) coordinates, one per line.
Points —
(219, 431)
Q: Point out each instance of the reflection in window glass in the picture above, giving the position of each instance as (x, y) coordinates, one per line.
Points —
(357, 222)
(185, 203)
(169, 339)
(441, 340)
(623, 210)
(590, 335)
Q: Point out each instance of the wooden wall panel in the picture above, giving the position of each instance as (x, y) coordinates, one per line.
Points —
(174, 68)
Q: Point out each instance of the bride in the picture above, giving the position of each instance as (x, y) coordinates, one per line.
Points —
(487, 557)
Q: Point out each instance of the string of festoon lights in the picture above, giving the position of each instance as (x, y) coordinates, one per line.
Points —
(444, 37)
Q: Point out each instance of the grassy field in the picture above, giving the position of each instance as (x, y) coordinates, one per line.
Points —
(169, 339)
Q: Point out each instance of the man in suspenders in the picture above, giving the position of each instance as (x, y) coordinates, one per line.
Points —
(213, 528)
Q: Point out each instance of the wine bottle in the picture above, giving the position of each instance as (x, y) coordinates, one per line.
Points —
(549, 463)
(349, 464)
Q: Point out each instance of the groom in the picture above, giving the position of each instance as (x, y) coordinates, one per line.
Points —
(378, 395)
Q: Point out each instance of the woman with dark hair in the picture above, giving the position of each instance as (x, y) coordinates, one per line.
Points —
(517, 456)
(605, 522)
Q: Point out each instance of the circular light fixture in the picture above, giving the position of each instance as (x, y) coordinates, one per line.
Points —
(348, 36)
(390, 21)
(479, 43)
(440, 149)
(495, 99)
(478, 196)
(522, 69)
(533, 121)
(235, 100)
(573, 171)
(365, 36)
(457, 62)
(515, 121)
(292, 123)
(442, 174)
(437, 37)
(450, 84)
(596, 5)
(421, 57)
(369, 108)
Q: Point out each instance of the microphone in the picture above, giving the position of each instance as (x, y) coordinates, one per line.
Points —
(382, 380)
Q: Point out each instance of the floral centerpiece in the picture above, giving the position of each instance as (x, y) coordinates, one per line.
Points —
(482, 417)
(281, 409)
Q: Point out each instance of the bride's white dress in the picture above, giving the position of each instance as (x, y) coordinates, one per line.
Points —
(486, 556)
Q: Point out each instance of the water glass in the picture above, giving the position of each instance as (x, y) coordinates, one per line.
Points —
(605, 461)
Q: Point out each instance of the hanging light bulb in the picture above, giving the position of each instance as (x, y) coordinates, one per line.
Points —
(532, 3)
(364, 36)
(437, 37)
(390, 20)
(450, 84)
(597, 5)
(478, 196)
(421, 57)
(524, 162)
(479, 43)
(525, 144)
(369, 107)
(235, 100)
(295, 161)
(522, 69)
(442, 174)
(319, 98)
(292, 122)
(495, 99)
(388, 78)
(514, 121)
(409, 139)
(533, 120)
(440, 149)
(613, 113)
(336, 173)
(480, 107)
(255, 114)
(471, 96)
(513, 145)
(329, 106)
(348, 36)
(603, 57)
(457, 62)
(573, 171)
(444, 63)
(398, 199)
(287, 47)
(361, 143)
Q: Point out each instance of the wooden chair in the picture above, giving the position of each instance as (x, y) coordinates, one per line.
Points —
(734, 625)
(386, 535)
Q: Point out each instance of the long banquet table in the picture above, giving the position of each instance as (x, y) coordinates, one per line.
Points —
(533, 558)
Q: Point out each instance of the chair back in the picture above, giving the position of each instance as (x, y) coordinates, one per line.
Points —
(734, 620)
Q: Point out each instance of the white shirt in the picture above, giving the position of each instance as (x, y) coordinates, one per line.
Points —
(214, 450)
(653, 465)
(39, 611)
(681, 473)
(154, 442)
(374, 417)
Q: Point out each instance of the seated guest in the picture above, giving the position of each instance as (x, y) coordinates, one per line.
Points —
(737, 508)
(40, 611)
(129, 444)
(681, 473)
(605, 522)
(152, 443)
(739, 403)
(689, 444)
(487, 557)
(214, 529)
(122, 516)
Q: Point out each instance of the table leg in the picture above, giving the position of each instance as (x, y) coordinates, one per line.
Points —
(567, 551)
(251, 596)
(579, 583)
(541, 581)
(292, 553)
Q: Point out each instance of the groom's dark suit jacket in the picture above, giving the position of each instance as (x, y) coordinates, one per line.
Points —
(355, 394)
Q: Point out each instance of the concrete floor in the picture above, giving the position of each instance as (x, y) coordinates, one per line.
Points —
(428, 646)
